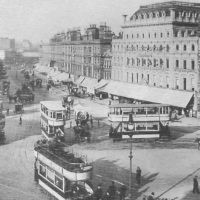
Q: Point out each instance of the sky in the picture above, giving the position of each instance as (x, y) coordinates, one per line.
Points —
(39, 20)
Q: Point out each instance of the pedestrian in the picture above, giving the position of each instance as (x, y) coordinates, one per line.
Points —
(195, 185)
(87, 116)
(122, 192)
(151, 197)
(77, 123)
(91, 121)
(7, 110)
(98, 193)
(112, 191)
(20, 120)
(138, 175)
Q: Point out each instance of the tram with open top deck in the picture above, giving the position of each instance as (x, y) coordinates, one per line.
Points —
(61, 172)
(150, 120)
(52, 118)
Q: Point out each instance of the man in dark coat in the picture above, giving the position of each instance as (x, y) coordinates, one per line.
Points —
(122, 191)
(138, 175)
(151, 197)
(98, 193)
(195, 185)
(112, 191)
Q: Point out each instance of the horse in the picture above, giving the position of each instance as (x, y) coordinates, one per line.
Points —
(12, 98)
(198, 141)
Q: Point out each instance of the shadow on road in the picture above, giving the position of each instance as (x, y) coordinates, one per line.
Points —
(107, 171)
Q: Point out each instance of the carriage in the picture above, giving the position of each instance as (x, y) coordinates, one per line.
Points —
(19, 108)
(39, 82)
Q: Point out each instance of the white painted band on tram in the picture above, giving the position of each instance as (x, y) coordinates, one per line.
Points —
(51, 191)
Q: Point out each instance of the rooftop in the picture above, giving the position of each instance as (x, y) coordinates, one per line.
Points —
(53, 105)
(171, 4)
(126, 105)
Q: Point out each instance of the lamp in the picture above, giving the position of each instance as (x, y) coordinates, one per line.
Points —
(131, 128)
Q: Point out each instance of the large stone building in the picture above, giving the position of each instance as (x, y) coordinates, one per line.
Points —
(79, 54)
(159, 47)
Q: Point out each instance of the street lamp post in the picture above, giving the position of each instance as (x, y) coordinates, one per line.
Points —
(130, 128)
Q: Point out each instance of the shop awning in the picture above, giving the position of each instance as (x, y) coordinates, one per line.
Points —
(88, 81)
(79, 80)
(147, 93)
(62, 77)
(90, 85)
(101, 83)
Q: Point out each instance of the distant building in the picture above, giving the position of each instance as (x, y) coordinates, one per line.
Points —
(26, 44)
(79, 54)
(7, 44)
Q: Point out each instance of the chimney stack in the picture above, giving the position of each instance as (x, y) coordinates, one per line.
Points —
(124, 16)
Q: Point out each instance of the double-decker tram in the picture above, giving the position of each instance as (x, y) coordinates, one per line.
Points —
(149, 120)
(62, 173)
(52, 118)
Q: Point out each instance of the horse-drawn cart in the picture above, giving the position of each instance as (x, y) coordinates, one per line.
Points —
(19, 108)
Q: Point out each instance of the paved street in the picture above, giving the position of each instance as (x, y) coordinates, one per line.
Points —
(167, 167)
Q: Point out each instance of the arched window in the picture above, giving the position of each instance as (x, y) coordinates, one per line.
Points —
(193, 47)
(132, 35)
(137, 35)
(177, 47)
(184, 47)
(127, 36)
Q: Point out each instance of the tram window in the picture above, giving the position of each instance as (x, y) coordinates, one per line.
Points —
(59, 115)
(111, 110)
(51, 129)
(42, 170)
(165, 110)
(141, 111)
(54, 115)
(50, 175)
(140, 126)
(59, 182)
(152, 125)
(152, 110)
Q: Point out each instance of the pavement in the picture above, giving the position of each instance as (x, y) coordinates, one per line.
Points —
(168, 168)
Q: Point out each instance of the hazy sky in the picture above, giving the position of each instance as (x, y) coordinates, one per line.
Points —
(38, 20)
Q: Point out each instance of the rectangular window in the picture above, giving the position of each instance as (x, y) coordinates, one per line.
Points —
(50, 175)
(184, 64)
(160, 81)
(154, 80)
(167, 81)
(42, 170)
(167, 63)
(59, 115)
(184, 83)
(177, 64)
(176, 83)
(192, 84)
(192, 65)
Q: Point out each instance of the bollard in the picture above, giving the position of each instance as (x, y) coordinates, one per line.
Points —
(70, 124)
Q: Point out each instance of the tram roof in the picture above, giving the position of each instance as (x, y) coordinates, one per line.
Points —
(126, 105)
(53, 105)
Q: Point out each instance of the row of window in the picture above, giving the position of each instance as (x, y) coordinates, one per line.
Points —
(165, 13)
(156, 34)
(154, 48)
(154, 80)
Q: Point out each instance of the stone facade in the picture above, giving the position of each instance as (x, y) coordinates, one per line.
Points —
(79, 54)
(159, 47)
